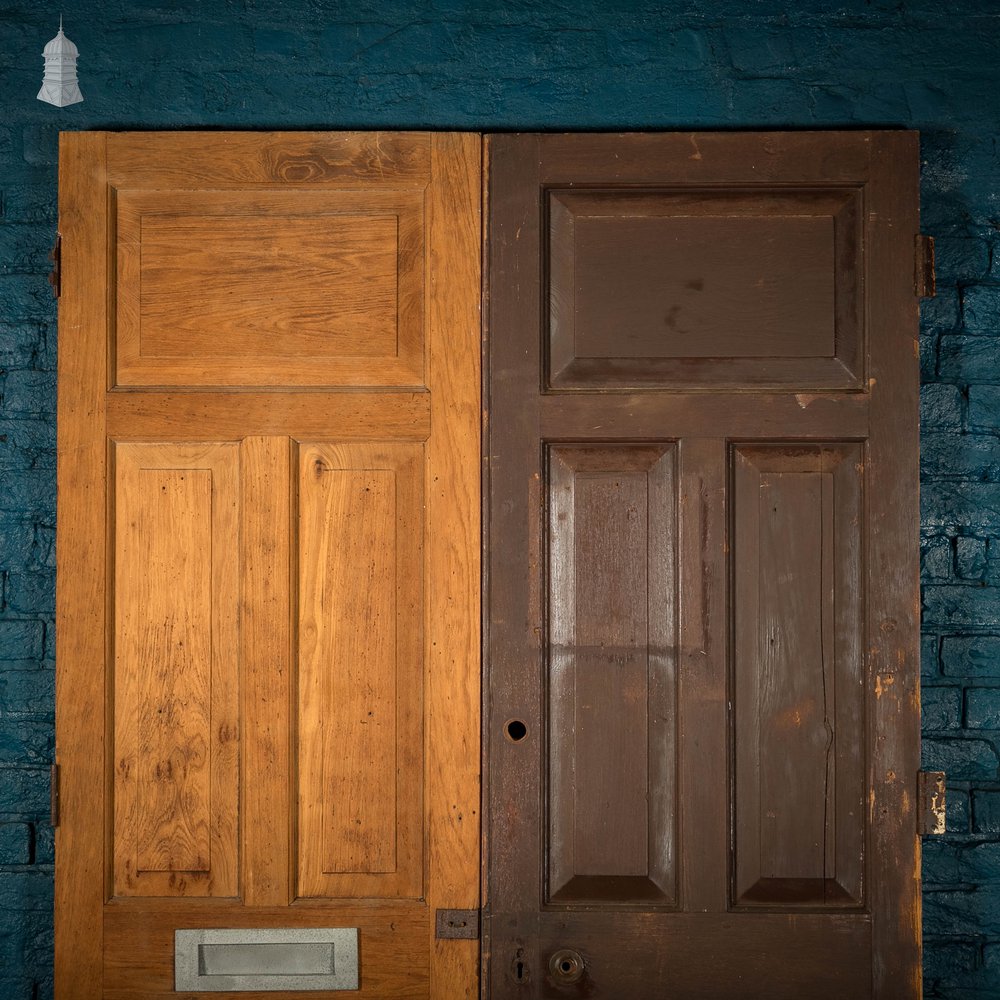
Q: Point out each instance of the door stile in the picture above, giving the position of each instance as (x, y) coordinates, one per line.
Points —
(893, 614)
(453, 570)
(81, 568)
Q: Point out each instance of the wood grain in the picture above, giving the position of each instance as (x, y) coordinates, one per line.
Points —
(266, 656)
(81, 875)
(176, 681)
(360, 670)
(221, 160)
(279, 288)
(186, 416)
(798, 736)
(453, 567)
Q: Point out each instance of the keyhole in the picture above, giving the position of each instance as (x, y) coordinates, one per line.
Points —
(519, 968)
(515, 730)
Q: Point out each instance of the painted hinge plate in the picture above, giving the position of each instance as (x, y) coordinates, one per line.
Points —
(55, 275)
(931, 803)
(924, 275)
(457, 925)
(54, 795)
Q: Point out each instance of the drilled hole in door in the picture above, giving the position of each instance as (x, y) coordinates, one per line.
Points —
(515, 730)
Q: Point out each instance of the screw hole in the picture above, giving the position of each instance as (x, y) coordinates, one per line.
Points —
(515, 730)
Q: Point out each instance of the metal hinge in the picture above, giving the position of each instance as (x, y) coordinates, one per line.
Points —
(54, 795)
(924, 277)
(930, 803)
(456, 924)
(55, 275)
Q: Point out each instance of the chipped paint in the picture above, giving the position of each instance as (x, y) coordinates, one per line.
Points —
(882, 683)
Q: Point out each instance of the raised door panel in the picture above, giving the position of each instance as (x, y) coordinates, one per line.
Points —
(360, 670)
(278, 288)
(684, 287)
(798, 695)
(176, 674)
(611, 674)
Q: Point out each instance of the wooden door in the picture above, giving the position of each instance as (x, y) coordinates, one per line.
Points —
(268, 680)
(702, 605)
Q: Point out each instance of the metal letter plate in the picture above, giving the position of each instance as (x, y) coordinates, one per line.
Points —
(286, 958)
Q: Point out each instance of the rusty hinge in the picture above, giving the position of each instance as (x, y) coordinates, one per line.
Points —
(54, 795)
(930, 802)
(55, 275)
(452, 924)
(924, 276)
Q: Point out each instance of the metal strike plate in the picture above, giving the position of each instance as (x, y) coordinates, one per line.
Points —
(245, 960)
(457, 924)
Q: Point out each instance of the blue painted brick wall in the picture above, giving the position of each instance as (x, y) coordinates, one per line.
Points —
(586, 64)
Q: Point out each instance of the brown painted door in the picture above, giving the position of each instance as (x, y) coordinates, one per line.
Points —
(702, 603)
(268, 606)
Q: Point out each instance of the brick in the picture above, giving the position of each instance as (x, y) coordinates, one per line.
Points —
(970, 557)
(928, 357)
(959, 258)
(961, 759)
(25, 890)
(17, 540)
(939, 860)
(941, 406)
(935, 558)
(961, 505)
(984, 408)
(45, 844)
(971, 656)
(26, 741)
(31, 491)
(29, 392)
(973, 457)
(957, 810)
(31, 592)
(15, 987)
(947, 605)
(24, 248)
(941, 708)
(18, 344)
(30, 203)
(27, 692)
(941, 313)
(981, 309)
(929, 664)
(27, 444)
(944, 961)
(968, 359)
(15, 843)
(45, 546)
(24, 790)
(979, 863)
(985, 811)
(26, 296)
(982, 708)
(41, 144)
(958, 912)
(20, 640)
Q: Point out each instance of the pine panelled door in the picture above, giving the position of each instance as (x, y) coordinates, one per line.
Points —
(696, 663)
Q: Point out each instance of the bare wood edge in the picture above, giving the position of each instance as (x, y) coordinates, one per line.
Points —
(453, 511)
(485, 927)
(892, 497)
(81, 566)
